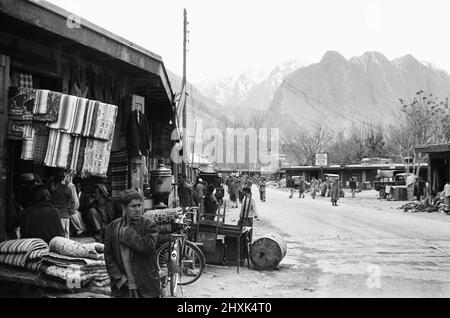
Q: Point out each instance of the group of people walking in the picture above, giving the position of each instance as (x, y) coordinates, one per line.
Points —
(236, 184)
(328, 188)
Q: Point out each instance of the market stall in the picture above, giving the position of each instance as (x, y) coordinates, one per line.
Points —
(80, 99)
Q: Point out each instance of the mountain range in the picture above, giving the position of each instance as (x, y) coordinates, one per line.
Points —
(341, 92)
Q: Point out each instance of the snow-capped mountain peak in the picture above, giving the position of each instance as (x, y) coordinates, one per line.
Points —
(252, 89)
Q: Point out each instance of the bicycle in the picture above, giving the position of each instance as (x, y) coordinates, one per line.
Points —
(183, 259)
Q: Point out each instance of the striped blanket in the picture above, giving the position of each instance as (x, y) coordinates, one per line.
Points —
(18, 252)
(27, 147)
(41, 104)
(119, 172)
(57, 149)
(66, 115)
(76, 124)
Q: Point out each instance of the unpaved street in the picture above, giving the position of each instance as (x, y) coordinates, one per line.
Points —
(352, 250)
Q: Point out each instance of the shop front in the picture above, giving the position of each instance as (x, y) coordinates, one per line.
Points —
(76, 97)
(439, 167)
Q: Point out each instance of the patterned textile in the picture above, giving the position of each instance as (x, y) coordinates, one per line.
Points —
(66, 115)
(104, 121)
(21, 104)
(52, 113)
(70, 273)
(68, 247)
(40, 144)
(17, 130)
(25, 80)
(18, 252)
(119, 172)
(40, 106)
(96, 158)
(163, 216)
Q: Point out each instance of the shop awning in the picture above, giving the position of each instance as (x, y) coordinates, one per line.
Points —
(47, 23)
(433, 148)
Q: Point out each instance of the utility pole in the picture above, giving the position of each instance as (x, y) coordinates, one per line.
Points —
(183, 91)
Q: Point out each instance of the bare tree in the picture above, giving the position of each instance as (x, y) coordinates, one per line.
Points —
(424, 120)
(308, 141)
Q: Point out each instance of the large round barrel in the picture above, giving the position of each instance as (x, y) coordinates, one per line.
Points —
(268, 251)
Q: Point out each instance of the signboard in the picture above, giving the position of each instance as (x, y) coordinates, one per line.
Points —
(321, 159)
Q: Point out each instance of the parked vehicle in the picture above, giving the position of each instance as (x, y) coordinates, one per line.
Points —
(389, 178)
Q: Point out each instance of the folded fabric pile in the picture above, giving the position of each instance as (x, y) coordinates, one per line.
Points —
(22, 251)
(63, 246)
(164, 219)
(420, 206)
(78, 134)
(163, 216)
(71, 269)
(75, 262)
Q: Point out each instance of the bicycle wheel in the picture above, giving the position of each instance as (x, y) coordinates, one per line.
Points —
(192, 264)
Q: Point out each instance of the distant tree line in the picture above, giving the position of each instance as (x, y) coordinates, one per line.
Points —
(423, 120)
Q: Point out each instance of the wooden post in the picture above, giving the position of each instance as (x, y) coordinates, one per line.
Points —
(4, 84)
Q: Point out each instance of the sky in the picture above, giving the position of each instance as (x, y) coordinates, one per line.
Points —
(229, 37)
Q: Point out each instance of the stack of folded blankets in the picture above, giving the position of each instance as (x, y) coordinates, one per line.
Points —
(60, 130)
(22, 252)
(75, 262)
(164, 219)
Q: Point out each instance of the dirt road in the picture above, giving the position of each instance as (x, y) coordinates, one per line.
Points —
(357, 249)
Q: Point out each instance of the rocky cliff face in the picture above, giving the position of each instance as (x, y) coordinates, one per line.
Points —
(361, 89)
